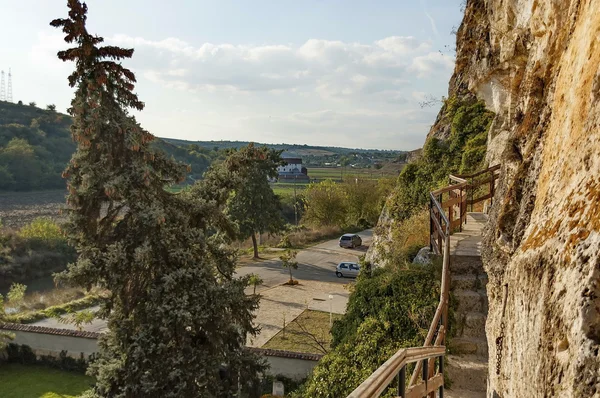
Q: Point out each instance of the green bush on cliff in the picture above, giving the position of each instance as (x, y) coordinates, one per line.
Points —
(388, 310)
(463, 152)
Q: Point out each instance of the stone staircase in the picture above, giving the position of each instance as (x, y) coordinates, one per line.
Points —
(467, 363)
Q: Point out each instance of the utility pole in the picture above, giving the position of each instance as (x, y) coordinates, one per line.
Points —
(295, 202)
(2, 88)
(9, 97)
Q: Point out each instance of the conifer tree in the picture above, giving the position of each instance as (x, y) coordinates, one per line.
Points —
(176, 314)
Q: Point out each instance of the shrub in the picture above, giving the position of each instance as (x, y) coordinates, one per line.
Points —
(464, 151)
(387, 310)
(75, 305)
(43, 229)
(23, 354)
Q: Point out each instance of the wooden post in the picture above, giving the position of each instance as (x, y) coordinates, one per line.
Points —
(446, 285)
(431, 237)
(402, 382)
(492, 185)
(450, 217)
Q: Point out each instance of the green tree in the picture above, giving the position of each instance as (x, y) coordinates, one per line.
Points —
(255, 280)
(375, 326)
(176, 313)
(16, 294)
(51, 107)
(32, 104)
(4, 336)
(288, 260)
(365, 351)
(19, 160)
(77, 318)
(254, 206)
(364, 200)
(325, 204)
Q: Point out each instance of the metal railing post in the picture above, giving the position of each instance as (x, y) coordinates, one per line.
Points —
(402, 382)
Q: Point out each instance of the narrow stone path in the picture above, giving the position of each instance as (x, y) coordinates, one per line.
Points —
(468, 359)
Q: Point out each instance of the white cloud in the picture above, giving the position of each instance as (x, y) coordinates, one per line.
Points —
(329, 68)
(319, 92)
(432, 63)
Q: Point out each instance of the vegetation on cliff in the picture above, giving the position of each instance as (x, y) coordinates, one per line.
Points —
(391, 307)
(388, 309)
(463, 152)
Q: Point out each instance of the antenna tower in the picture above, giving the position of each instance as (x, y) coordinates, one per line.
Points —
(2, 89)
(9, 90)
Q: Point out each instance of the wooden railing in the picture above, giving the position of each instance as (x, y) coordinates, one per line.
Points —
(464, 190)
(448, 206)
(396, 367)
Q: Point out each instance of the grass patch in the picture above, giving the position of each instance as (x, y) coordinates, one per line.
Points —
(20, 381)
(265, 253)
(309, 332)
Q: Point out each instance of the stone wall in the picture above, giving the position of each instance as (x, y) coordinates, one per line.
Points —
(50, 341)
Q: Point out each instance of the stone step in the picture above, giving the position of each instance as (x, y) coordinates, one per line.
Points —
(471, 324)
(467, 373)
(471, 301)
(454, 393)
(468, 281)
(469, 346)
(461, 265)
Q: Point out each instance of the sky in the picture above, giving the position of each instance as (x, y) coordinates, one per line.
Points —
(318, 72)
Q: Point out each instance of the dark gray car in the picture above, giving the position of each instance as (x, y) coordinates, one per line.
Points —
(350, 241)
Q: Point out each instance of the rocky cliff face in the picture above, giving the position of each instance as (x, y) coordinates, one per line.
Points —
(536, 63)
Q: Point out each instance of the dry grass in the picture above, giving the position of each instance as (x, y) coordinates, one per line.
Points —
(407, 237)
(309, 332)
(299, 238)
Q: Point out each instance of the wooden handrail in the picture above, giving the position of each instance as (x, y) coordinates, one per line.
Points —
(488, 170)
(383, 376)
(441, 225)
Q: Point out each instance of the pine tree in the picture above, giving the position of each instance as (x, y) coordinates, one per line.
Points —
(176, 314)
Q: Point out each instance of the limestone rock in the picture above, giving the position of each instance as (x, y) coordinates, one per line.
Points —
(536, 64)
(422, 256)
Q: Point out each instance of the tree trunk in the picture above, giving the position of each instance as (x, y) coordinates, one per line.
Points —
(290, 269)
(255, 245)
(255, 288)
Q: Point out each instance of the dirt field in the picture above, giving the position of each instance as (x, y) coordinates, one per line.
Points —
(20, 208)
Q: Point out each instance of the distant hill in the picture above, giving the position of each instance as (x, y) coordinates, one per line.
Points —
(310, 154)
(36, 145)
(289, 149)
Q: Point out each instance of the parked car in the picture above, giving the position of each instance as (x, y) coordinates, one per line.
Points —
(347, 269)
(350, 240)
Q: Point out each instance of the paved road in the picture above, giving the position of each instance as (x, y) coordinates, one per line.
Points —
(314, 263)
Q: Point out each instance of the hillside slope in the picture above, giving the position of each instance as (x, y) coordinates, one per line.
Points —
(36, 145)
